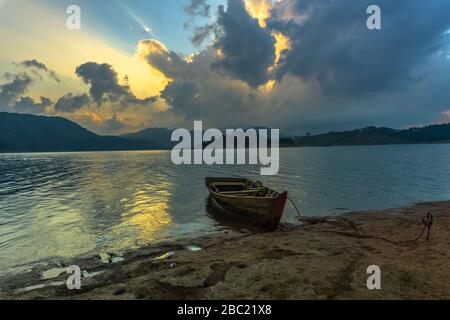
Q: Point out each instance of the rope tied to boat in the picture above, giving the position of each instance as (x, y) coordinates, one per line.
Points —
(293, 203)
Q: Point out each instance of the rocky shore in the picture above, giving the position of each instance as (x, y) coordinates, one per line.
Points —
(320, 259)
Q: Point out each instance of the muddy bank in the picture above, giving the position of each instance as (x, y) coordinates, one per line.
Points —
(323, 259)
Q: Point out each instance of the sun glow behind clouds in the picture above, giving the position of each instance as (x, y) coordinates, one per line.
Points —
(260, 10)
(282, 43)
(63, 51)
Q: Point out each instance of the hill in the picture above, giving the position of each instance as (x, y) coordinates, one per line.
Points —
(29, 133)
(156, 136)
(373, 136)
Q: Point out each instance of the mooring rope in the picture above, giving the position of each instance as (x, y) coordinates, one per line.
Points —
(427, 222)
(427, 225)
(293, 203)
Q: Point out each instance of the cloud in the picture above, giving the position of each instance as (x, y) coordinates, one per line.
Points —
(197, 8)
(332, 45)
(105, 87)
(159, 57)
(330, 73)
(198, 92)
(102, 79)
(116, 107)
(113, 124)
(202, 33)
(12, 95)
(247, 51)
(28, 105)
(70, 103)
(91, 120)
(36, 65)
(33, 64)
(17, 86)
(297, 65)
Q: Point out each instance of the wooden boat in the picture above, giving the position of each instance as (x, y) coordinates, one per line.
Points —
(251, 200)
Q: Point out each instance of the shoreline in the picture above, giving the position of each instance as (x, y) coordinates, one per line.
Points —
(326, 258)
(284, 146)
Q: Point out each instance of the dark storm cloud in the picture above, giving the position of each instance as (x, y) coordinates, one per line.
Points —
(248, 50)
(180, 92)
(14, 89)
(186, 78)
(332, 45)
(338, 74)
(105, 87)
(71, 103)
(34, 64)
(195, 90)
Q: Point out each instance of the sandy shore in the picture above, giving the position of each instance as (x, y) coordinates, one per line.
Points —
(323, 259)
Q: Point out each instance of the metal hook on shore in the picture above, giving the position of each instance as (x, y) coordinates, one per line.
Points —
(428, 222)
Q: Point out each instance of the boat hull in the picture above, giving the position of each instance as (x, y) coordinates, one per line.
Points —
(264, 212)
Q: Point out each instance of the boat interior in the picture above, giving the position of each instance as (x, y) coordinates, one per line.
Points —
(241, 188)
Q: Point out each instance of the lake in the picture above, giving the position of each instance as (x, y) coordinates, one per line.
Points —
(66, 204)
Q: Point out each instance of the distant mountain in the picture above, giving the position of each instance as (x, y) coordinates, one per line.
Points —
(373, 136)
(157, 136)
(29, 133)
(162, 136)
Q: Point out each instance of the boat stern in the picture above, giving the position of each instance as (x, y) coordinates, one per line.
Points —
(277, 211)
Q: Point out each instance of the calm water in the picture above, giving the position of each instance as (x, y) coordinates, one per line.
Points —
(61, 205)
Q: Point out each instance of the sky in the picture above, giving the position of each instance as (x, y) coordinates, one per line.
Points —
(297, 65)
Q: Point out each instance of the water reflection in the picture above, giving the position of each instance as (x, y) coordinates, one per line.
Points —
(146, 213)
(226, 219)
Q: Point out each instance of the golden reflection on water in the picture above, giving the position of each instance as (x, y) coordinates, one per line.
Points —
(146, 213)
(143, 206)
(85, 203)
(119, 206)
